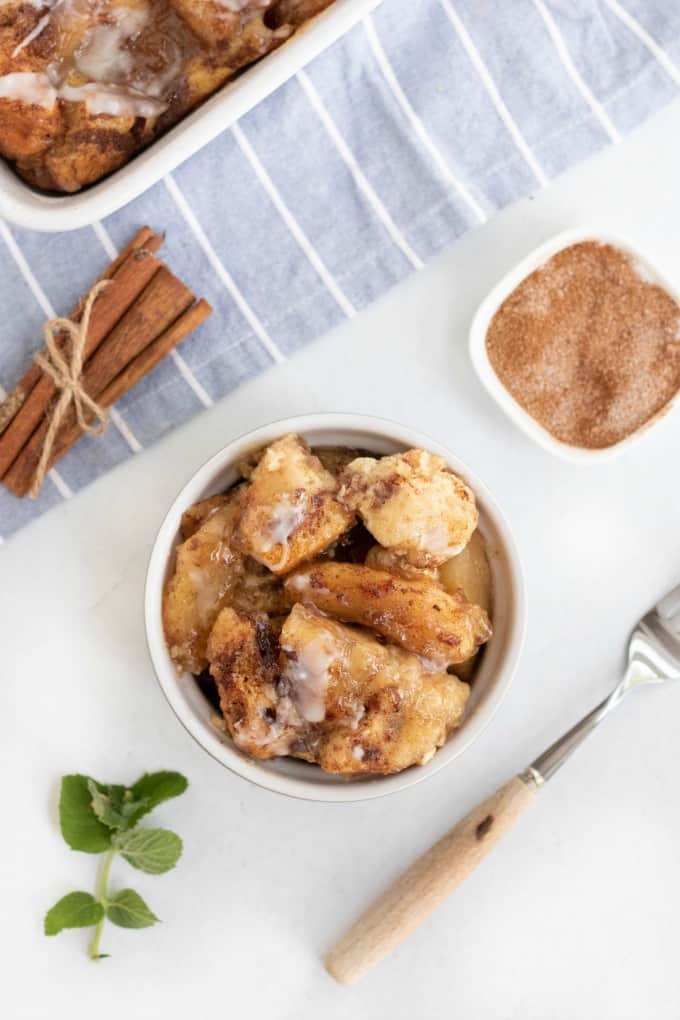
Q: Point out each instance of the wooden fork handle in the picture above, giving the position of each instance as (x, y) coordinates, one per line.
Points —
(427, 882)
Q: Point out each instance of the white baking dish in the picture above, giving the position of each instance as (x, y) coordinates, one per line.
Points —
(26, 207)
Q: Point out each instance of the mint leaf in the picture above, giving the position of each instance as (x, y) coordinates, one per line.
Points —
(114, 805)
(80, 827)
(127, 909)
(153, 788)
(76, 910)
(105, 802)
(120, 808)
(150, 850)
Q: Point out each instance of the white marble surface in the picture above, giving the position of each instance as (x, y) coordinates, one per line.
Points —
(577, 914)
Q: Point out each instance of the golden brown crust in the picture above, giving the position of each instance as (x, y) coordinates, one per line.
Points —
(294, 12)
(290, 512)
(207, 571)
(259, 591)
(416, 614)
(210, 573)
(385, 559)
(470, 573)
(23, 138)
(244, 662)
(382, 710)
(196, 516)
(88, 153)
(412, 504)
(329, 694)
(25, 132)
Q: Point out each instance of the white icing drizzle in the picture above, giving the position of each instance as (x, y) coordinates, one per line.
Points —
(114, 100)
(430, 666)
(272, 459)
(424, 459)
(117, 86)
(209, 587)
(276, 736)
(436, 542)
(298, 583)
(38, 30)
(36, 89)
(356, 716)
(307, 670)
(236, 6)
(287, 514)
(101, 56)
(28, 87)
(358, 752)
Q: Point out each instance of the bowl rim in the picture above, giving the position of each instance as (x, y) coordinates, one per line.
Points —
(494, 299)
(170, 681)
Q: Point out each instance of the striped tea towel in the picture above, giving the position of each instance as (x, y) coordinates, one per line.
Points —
(412, 129)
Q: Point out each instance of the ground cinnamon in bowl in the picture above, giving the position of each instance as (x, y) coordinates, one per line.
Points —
(589, 345)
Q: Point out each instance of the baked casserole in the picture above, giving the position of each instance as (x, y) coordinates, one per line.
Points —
(333, 605)
(86, 84)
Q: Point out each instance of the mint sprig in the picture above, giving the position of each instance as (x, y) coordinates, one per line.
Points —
(102, 818)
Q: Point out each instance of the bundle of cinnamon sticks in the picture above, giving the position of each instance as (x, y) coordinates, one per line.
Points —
(134, 323)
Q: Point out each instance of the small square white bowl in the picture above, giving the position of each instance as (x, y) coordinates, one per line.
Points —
(492, 302)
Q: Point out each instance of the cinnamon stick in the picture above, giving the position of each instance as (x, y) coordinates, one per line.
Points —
(140, 366)
(144, 240)
(155, 352)
(161, 303)
(129, 281)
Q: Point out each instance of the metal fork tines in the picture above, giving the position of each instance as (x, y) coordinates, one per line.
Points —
(655, 642)
(653, 657)
(669, 611)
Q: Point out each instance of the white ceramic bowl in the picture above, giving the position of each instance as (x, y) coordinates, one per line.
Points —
(21, 204)
(286, 775)
(493, 301)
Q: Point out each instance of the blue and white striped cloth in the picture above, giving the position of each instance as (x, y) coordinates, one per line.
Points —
(412, 129)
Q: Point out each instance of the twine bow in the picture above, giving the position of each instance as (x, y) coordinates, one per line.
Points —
(66, 374)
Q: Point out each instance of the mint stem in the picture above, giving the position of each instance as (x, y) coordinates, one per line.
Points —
(101, 893)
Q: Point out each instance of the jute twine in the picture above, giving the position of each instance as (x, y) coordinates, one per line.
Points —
(67, 377)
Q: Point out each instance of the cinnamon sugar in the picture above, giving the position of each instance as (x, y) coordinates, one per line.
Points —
(588, 345)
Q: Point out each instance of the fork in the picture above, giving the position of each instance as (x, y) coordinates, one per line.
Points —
(653, 658)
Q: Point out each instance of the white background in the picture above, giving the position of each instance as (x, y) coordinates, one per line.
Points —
(577, 914)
